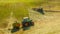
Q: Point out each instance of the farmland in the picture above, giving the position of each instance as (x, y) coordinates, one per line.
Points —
(44, 24)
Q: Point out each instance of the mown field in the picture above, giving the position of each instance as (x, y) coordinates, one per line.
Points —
(44, 24)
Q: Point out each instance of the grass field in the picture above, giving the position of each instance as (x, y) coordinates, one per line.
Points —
(44, 25)
(19, 11)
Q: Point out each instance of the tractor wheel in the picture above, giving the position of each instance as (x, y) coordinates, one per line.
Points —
(32, 23)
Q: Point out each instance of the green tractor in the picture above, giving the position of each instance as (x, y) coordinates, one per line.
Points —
(26, 23)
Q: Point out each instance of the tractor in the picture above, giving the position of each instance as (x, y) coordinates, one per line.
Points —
(27, 23)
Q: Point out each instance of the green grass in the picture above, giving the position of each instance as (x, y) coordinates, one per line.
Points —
(18, 12)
